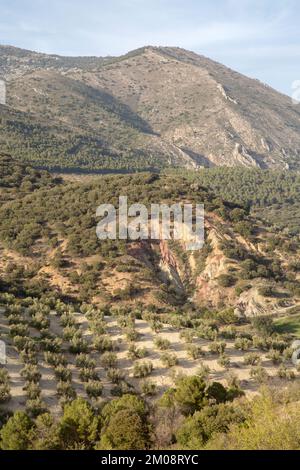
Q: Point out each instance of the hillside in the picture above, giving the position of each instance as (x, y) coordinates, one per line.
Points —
(151, 345)
(149, 109)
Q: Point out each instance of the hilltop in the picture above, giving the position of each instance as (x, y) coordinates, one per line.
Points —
(152, 108)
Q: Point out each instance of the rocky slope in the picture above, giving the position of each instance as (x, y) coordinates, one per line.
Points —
(151, 108)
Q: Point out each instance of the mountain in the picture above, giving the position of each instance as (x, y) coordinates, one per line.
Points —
(151, 108)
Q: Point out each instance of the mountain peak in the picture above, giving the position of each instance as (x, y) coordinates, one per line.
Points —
(153, 107)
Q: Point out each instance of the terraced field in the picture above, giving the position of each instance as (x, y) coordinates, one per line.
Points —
(54, 355)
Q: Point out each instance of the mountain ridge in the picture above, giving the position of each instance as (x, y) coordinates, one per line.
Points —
(153, 107)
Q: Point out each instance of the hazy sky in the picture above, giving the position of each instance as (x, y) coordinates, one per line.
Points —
(260, 38)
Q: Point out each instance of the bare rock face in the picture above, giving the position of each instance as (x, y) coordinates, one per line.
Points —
(180, 107)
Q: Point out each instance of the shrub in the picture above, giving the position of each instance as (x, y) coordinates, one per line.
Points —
(93, 388)
(203, 372)
(31, 373)
(162, 343)
(242, 344)
(79, 426)
(84, 361)
(228, 332)
(190, 394)
(63, 373)
(126, 431)
(187, 336)
(217, 347)
(4, 392)
(78, 345)
(19, 329)
(252, 359)
(29, 357)
(285, 373)
(16, 433)
(227, 280)
(274, 356)
(198, 429)
(122, 388)
(103, 343)
(35, 407)
(148, 388)
(263, 325)
(54, 359)
(142, 369)
(194, 351)
(115, 375)
(136, 353)
(217, 392)
(259, 374)
(65, 390)
(224, 361)
(131, 335)
(156, 325)
(169, 359)
(87, 374)
(109, 360)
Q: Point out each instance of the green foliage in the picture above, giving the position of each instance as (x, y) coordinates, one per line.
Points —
(263, 325)
(142, 369)
(265, 427)
(79, 426)
(16, 433)
(196, 430)
(125, 431)
(190, 394)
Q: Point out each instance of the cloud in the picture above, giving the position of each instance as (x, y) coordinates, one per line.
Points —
(242, 33)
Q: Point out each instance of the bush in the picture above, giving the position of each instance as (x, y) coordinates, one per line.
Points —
(194, 351)
(136, 353)
(33, 390)
(285, 373)
(224, 361)
(93, 388)
(31, 373)
(217, 392)
(142, 369)
(162, 343)
(86, 374)
(227, 280)
(79, 426)
(169, 359)
(242, 344)
(198, 429)
(275, 356)
(187, 336)
(84, 361)
(148, 388)
(263, 325)
(51, 344)
(109, 360)
(63, 373)
(126, 431)
(252, 359)
(16, 433)
(65, 390)
(54, 359)
(217, 347)
(103, 343)
(115, 375)
(132, 335)
(35, 407)
(78, 345)
(4, 392)
(190, 394)
(259, 374)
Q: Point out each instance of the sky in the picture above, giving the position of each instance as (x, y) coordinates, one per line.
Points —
(260, 38)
